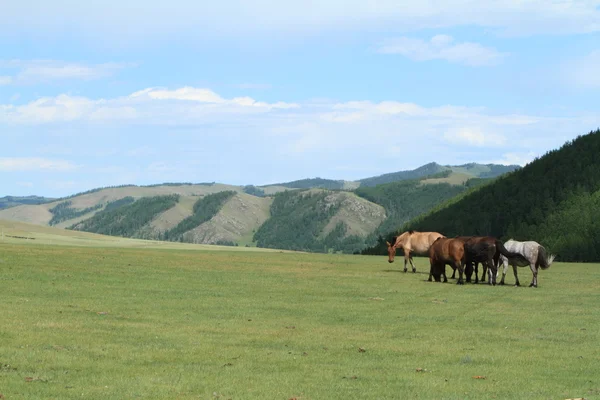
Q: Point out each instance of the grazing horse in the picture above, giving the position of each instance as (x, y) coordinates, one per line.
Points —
(487, 251)
(412, 242)
(446, 251)
(535, 256)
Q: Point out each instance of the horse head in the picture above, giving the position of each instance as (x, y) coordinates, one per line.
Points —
(391, 251)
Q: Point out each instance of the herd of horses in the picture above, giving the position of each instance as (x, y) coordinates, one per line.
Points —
(465, 253)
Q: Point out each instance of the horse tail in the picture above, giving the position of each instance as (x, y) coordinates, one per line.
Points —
(544, 260)
(508, 254)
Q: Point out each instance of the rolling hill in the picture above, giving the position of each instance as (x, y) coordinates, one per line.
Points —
(214, 213)
(554, 200)
(12, 201)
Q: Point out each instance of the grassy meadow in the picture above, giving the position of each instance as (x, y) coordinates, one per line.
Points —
(120, 321)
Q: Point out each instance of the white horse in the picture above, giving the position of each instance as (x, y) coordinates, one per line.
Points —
(534, 253)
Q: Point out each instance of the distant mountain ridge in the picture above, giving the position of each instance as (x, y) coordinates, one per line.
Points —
(310, 214)
(473, 170)
(12, 201)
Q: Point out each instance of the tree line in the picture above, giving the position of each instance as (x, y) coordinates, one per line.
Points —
(554, 200)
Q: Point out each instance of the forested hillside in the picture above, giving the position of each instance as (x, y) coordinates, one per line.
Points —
(127, 220)
(204, 209)
(305, 220)
(407, 199)
(310, 215)
(554, 200)
(472, 170)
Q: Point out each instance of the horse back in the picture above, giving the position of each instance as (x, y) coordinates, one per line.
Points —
(420, 242)
(447, 250)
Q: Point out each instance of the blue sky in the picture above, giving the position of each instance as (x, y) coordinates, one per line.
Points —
(102, 93)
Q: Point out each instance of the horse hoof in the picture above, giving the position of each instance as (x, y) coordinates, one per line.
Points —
(501, 283)
(460, 283)
(405, 270)
(414, 270)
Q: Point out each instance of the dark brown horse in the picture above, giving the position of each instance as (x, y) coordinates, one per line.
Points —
(469, 266)
(487, 250)
(446, 251)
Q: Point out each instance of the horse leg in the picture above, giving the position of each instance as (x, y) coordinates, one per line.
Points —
(484, 268)
(459, 265)
(430, 270)
(516, 277)
(406, 256)
(504, 269)
(444, 273)
(453, 272)
(535, 272)
(476, 268)
(491, 272)
(414, 269)
(434, 271)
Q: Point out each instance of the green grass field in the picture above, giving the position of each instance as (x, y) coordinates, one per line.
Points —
(100, 322)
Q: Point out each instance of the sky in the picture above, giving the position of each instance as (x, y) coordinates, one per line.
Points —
(103, 93)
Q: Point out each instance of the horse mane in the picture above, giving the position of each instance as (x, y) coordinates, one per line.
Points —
(411, 232)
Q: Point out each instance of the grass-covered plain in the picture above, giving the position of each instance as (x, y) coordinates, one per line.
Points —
(125, 323)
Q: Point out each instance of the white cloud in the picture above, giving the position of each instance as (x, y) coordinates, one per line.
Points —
(43, 71)
(13, 164)
(474, 136)
(442, 47)
(5, 80)
(515, 158)
(184, 126)
(151, 105)
(184, 93)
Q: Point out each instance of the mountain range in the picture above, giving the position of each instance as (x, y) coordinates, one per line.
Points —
(314, 214)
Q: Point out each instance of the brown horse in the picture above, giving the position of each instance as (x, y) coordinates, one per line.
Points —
(487, 250)
(412, 242)
(446, 251)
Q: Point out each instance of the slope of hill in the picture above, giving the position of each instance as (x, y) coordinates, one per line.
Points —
(405, 200)
(234, 223)
(555, 200)
(181, 211)
(317, 220)
(12, 201)
(21, 233)
(421, 172)
(472, 170)
(41, 215)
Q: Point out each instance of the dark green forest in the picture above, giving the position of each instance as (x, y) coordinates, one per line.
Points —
(63, 211)
(204, 209)
(128, 219)
(407, 199)
(297, 221)
(554, 200)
